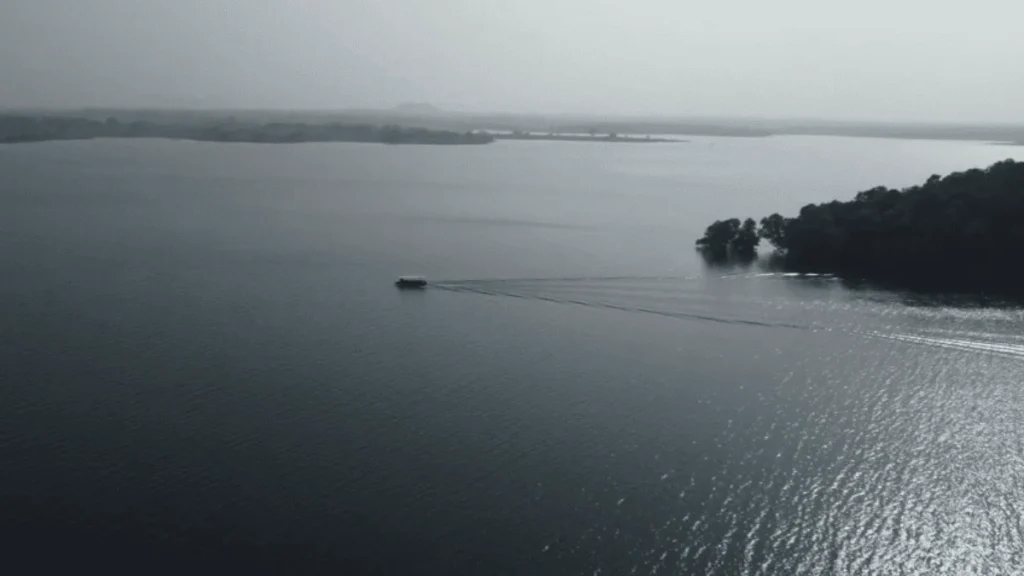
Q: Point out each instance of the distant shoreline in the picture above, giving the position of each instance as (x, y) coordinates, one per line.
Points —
(237, 141)
(383, 127)
(25, 129)
(610, 138)
(437, 119)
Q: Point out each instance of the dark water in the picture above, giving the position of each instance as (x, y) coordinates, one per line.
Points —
(204, 364)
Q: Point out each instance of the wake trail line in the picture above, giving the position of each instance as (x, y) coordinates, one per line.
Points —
(623, 308)
(547, 280)
(1006, 350)
(963, 345)
(555, 280)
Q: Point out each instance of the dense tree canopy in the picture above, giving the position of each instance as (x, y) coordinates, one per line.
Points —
(960, 232)
(730, 236)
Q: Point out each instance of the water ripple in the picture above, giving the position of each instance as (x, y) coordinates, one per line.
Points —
(905, 456)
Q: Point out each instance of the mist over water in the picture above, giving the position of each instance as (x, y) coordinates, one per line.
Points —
(206, 364)
(790, 59)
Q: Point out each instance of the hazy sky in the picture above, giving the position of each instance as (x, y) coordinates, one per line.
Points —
(947, 60)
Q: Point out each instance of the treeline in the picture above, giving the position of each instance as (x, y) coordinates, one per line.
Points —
(41, 128)
(961, 232)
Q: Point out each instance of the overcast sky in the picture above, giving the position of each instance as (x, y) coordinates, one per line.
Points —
(944, 60)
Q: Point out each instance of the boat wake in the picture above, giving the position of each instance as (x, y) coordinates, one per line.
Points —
(1001, 349)
(620, 307)
(743, 300)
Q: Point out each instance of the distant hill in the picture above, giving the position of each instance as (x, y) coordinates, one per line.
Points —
(417, 109)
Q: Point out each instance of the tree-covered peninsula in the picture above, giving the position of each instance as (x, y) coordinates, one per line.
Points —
(21, 128)
(961, 232)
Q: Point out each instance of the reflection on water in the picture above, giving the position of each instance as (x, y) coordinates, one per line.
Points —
(917, 458)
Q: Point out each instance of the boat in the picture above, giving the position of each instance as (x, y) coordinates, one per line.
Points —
(411, 282)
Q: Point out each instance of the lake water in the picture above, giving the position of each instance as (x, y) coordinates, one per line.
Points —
(204, 364)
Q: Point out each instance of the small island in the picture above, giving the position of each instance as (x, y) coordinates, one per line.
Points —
(957, 233)
(18, 128)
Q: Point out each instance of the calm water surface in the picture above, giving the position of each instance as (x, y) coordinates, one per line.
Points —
(204, 364)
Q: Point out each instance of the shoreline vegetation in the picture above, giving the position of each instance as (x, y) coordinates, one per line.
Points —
(958, 233)
(20, 129)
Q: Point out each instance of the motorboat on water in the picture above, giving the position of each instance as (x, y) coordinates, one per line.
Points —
(411, 282)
